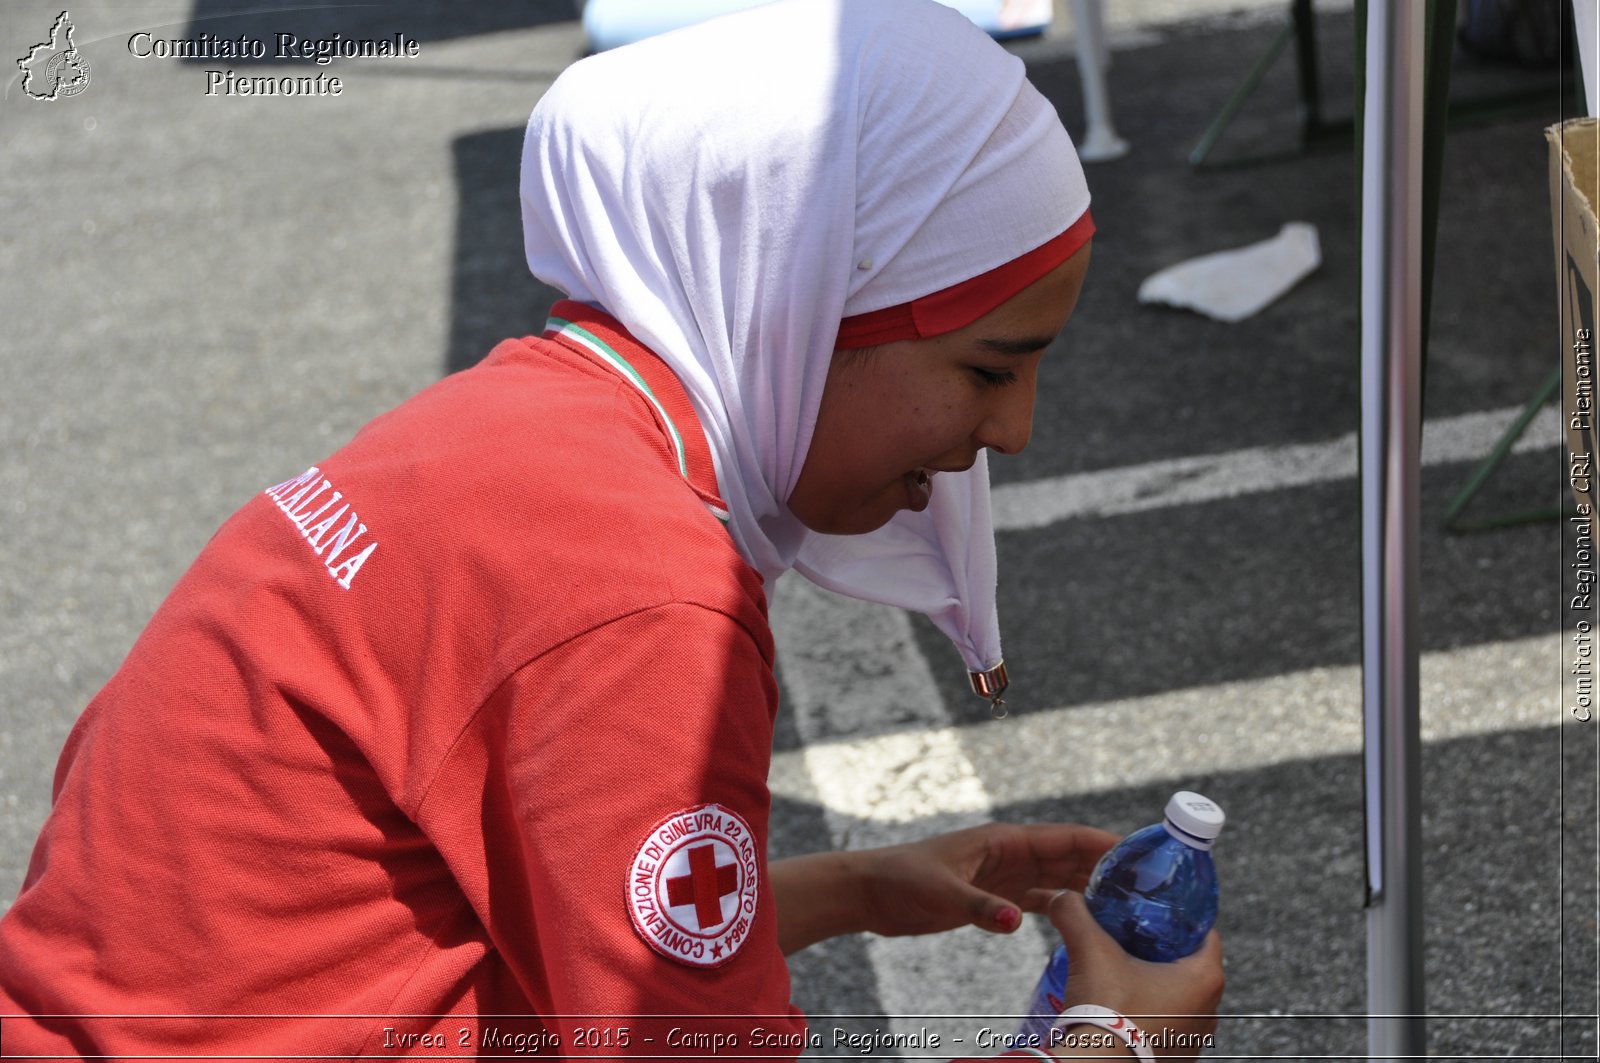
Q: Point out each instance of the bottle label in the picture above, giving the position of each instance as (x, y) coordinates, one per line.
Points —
(1045, 1005)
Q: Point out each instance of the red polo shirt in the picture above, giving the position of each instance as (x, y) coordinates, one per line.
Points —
(427, 734)
(454, 744)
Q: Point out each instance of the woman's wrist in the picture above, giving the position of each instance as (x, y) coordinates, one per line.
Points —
(818, 896)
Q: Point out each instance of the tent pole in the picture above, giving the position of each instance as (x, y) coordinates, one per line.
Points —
(1391, 302)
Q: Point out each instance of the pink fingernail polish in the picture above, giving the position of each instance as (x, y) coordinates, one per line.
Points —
(1008, 918)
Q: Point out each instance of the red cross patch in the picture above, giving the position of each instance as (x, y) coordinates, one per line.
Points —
(692, 886)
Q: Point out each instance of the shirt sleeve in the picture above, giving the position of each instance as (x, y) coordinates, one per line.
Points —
(627, 882)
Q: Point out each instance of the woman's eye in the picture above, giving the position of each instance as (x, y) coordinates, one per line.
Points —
(991, 378)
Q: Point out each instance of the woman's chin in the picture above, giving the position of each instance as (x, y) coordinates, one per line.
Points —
(854, 522)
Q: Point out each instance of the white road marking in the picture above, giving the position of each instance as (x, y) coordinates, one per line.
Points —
(1211, 477)
(1229, 727)
(846, 665)
(850, 670)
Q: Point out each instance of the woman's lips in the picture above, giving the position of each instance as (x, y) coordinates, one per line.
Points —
(919, 489)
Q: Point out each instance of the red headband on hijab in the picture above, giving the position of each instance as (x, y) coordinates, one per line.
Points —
(961, 304)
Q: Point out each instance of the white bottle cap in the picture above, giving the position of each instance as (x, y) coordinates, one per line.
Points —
(1193, 819)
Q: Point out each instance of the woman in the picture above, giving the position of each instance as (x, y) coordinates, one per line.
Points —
(458, 740)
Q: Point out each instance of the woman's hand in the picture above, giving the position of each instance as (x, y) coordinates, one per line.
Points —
(986, 876)
(1175, 1004)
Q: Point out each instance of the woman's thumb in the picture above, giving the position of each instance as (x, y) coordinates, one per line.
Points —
(994, 914)
(1083, 936)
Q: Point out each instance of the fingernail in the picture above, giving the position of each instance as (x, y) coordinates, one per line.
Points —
(1008, 918)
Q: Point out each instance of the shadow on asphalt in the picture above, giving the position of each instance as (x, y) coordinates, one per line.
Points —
(1238, 588)
(1509, 910)
(492, 294)
(419, 19)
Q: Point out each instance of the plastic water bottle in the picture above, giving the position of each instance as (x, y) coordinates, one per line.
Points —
(1155, 892)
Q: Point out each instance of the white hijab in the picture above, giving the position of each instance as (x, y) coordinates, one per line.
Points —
(731, 191)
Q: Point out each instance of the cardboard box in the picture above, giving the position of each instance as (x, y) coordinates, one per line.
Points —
(1574, 195)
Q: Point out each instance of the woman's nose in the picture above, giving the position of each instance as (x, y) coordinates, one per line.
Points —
(1009, 423)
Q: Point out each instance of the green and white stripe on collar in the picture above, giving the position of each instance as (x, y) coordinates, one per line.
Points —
(602, 350)
(606, 353)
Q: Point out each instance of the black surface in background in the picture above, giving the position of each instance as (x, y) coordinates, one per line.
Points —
(1240, 588)
(1509, 907)
(1131, 384)
(1261, 585)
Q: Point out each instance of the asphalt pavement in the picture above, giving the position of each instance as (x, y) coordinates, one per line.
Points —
(205, 293)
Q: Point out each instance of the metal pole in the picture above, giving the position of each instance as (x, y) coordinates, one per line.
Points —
(1305, 49)
(1391, 327)
(1251, 82)
(1100, 141)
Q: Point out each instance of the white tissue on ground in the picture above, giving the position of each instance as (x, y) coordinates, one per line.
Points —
(1232, 285)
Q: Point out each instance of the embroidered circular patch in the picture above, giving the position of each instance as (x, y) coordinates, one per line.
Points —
(692, 886)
